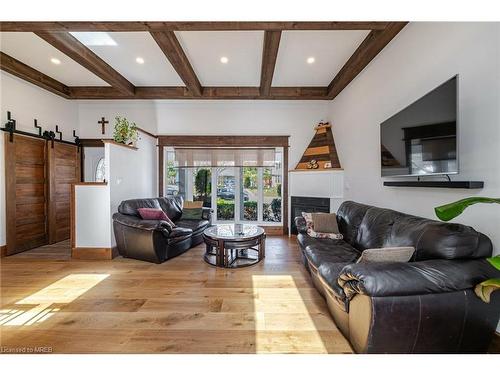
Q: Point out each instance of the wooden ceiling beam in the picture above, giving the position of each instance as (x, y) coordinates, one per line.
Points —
(269, 56)
(27, 73)
(180, 92)
(73, 48)
(188, 26)
(366, 52)
(168, 43)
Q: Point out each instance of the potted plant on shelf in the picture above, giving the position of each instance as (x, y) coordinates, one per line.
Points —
(125, 131)
(452, 210)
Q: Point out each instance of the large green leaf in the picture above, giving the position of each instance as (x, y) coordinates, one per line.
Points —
(452, 210)
(485, 289)
(495, 261)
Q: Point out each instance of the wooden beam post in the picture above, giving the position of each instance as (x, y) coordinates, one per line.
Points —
(367, 50)
(172, 49)
(269, 55)
(70, 46)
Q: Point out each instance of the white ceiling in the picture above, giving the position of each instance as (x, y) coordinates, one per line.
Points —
(330, 49)
(36, 53)
(156, 70)
(204, 49)
(243, 49)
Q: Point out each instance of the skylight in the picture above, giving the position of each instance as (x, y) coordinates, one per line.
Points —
(97, 38)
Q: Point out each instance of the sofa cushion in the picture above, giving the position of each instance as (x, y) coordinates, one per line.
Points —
(131, 206)
(375, 227)
(349, 217)
(196, 226)
(436, 240)
(338, 252)
(305, 240)
(172, 206)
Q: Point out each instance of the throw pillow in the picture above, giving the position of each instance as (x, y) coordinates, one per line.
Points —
(192, 213)
(193, 204)
(325, 223)
(154, 214)
(387, 254)
(312, 232)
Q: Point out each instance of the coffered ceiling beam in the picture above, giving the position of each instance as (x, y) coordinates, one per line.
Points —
(27, 73)
(71, 47)
(188, 26)
(167, 92)
(172, 49)
(366, 52)
(269, 55)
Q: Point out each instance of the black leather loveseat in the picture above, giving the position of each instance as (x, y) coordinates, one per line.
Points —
(156, 240)
(427, 305)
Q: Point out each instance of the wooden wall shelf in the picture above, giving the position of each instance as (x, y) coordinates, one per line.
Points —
(437, 184)
(119, 144)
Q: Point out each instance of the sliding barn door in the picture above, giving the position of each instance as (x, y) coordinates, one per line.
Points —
(64, 170)
(25, 193)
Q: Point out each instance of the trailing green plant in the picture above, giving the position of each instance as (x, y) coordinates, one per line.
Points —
(125, 132)
(451, 210)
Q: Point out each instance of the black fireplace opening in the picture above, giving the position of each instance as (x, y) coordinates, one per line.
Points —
(306, 204)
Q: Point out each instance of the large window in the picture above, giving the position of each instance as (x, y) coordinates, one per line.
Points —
(239, 190)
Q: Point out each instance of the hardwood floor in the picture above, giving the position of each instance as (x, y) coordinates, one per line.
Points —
(59, 304)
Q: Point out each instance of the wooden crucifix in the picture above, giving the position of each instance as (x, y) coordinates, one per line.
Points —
(103, 123)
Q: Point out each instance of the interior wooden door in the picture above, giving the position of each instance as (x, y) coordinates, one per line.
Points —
(25, 193)
(64, 170)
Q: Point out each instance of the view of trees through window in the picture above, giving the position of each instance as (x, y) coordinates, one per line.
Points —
(242, 193)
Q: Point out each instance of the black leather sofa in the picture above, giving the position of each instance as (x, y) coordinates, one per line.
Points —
(427, 305)
(156, 240)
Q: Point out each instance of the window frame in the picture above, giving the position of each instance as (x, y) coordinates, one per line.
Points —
(232, 141)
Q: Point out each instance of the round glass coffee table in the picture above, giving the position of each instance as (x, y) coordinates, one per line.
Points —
(234, 245)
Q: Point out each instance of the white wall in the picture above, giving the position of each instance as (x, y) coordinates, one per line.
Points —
(131, 173)
(27, 102)
(213, 117)
(92, 216)
(142, 112)
(420, 58)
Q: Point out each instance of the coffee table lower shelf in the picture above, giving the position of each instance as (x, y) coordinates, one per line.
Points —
(234, 254)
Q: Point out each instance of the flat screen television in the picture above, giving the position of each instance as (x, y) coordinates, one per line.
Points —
(422, 138)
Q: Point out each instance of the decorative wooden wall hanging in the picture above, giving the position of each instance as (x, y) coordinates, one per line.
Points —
(321, 153)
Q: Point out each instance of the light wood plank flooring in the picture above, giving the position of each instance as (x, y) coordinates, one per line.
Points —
(54, 303)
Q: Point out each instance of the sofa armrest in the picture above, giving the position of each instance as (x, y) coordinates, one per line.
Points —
(180, 232)
(206, 213)
(300, 223)
(149, 225)
(403, 279)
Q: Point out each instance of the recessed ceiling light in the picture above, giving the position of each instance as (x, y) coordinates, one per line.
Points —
(139, 60)
(55, 61)
(224, 60)
(311, 60)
